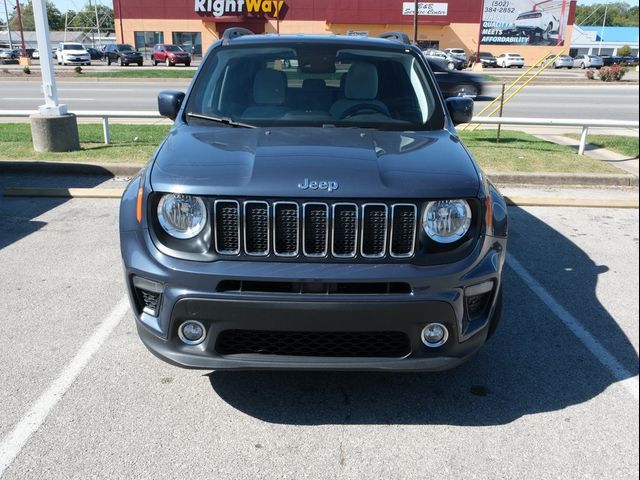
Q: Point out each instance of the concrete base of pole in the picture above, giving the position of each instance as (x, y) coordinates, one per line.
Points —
(477, 67)
(55, 133)
(25, 61)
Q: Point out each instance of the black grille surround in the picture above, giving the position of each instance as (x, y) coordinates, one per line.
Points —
(314, 229)
(314, 344)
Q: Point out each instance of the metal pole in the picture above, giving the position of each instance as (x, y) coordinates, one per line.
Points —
(97, 27)
(415, 22)
(120, 21)
(66, 23)
(583, 140)
(51, 106)
(6, 14)
(105, 130)
(480, 34)
(23, 52)
(604, 21)
(501, 108)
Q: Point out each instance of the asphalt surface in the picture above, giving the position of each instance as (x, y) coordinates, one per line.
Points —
(538, 402)
(599, 101)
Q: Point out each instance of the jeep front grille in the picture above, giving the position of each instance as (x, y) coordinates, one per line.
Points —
(315, 229)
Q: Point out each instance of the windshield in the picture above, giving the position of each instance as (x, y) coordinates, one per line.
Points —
(125, 48)
(173, 48)
(317, 85)
(72, 46)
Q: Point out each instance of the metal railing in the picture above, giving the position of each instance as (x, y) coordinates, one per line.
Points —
(584, 124)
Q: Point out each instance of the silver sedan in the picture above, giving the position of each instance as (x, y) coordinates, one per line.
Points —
(588, 61)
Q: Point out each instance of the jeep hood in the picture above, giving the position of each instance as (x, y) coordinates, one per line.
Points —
(272, 162)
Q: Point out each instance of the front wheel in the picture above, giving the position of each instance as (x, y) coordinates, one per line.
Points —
(188, 64)
(139, 64)
(451, 66)
(109, 61)
(583, 66)
(155, 62)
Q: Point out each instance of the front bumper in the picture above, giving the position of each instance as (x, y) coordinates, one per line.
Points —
(190, 291)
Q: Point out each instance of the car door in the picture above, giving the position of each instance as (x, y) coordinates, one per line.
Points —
(161, 54)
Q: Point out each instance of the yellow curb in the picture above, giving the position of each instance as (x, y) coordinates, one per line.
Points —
(63, 192)
(522, 201)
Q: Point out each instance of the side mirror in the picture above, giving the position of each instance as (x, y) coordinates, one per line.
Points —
(460, 109)
(169, 103)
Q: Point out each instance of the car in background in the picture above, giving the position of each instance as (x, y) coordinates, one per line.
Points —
(630, 61)
(563, 61)
(457, 52)
(508, 60)
(486, 59)
(453, 83)
(537, 22)
(122, 53)
(72, 54)
(36, 54)
(95, 54)
(170, 55)
(588, 61)
(453, 62)
(6, 54)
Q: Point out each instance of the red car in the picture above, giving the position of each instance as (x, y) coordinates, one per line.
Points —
(170, 54)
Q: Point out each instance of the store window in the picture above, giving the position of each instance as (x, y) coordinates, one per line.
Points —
(190, 41)
(146, 40)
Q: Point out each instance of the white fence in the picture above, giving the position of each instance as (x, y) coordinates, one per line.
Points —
(584, 124)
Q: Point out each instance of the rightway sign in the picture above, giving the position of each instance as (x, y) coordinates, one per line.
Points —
(523, 22)
(425, 8)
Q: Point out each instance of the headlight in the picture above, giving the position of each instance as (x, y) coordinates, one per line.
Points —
(182, 216)
(446, 221)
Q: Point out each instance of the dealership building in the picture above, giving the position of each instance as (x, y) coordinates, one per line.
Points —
(531, 28)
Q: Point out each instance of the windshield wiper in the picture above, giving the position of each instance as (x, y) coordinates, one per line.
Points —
(222, 120)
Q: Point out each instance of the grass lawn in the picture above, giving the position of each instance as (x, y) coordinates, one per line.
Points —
(134, 72)
(627, 146)
(520, 152)
(135, 143)
(130, 143)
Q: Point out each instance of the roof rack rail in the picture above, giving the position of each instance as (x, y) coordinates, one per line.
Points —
(235, 32)
(397, 36)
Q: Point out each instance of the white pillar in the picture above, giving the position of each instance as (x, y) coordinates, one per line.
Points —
(51, 106)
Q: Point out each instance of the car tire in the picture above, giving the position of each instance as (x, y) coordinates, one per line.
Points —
(451, 66)
(140, 64)
(168, 62)
(155, 62)
(109, 61)
(583, 66)
(188, 64)
(520, 66)
(122, 64)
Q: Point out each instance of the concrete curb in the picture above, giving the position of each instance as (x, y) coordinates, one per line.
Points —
(565, 179)
(130, 170)
(70, 168)
(514, 200)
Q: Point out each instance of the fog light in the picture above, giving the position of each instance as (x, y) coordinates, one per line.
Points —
(192, 332)
(434, 335)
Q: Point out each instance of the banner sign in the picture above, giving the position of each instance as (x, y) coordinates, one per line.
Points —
(220, 8)
(525, 22)
(425, 9)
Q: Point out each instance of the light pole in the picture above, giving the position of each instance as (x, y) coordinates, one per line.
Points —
(52, 129)
(415, 22)
(6, 14)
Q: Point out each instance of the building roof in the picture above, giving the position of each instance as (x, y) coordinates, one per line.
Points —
(613, 34)
(55, 37)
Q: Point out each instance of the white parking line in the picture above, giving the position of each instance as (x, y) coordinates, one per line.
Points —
(628, 379)
(13, 443)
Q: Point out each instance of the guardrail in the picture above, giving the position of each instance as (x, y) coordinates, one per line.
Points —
(558, 122)
(585, 124)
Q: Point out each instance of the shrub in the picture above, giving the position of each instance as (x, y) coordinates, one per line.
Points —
(624, 51)
(26, 70)
(78, 69)
(590, 73)
(612, 74)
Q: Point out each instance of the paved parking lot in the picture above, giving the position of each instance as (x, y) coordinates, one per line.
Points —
(553, 395)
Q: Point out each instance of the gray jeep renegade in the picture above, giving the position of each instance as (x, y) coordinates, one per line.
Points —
(313, 208)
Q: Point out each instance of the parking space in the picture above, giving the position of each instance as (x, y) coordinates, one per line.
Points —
(539, 401)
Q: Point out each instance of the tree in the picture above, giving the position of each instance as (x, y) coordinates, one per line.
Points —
(86, 18)
(625, 51)
(56, 19)
(619, 14)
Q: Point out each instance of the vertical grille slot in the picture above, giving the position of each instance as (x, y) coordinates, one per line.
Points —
(227, 227)
(256, 228)
(403, 230)
(316, 229)
(286, 229)
(374, 230)
(345, 230)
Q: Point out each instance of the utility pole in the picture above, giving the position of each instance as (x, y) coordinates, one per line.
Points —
(6, 14)
(478, 61)
(23, 52)
(415, 22)
(604, 22)
(97, 26)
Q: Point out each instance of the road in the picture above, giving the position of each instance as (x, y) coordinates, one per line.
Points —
(558, 101)
(82, 398)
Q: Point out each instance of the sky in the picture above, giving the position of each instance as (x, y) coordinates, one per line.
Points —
(64, 5)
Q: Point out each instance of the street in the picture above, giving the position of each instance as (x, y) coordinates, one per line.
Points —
(600, 101)
(553, 395)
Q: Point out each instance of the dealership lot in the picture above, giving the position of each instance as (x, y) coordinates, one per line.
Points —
(541, 400)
